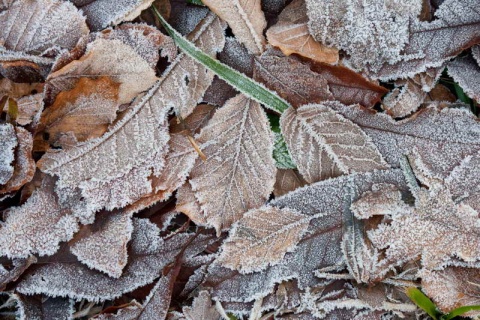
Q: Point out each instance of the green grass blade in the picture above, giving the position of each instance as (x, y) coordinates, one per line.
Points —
(459, 311)
(238, 80)
(424, 302)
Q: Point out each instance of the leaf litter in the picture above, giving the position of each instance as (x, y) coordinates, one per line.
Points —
(282, 160)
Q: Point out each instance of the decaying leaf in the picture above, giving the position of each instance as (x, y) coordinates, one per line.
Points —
(103, 245)
(8, 143)
(148, 255)
(324, 144)
(287, 180)
(291, 35)
(318, 248)
(466, 71)
(464, 182)
(201, 308)
(103, 13)
(17, 90)
(261, 238)
(194, 122)
(239, 171)
(31, 33)
(43, 308)
(188, 204)
(24, 165)
(14, 270)
(246, 19)
(453, 287)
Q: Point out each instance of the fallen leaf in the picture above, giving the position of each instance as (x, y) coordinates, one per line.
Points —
(188, 204)
(18, 90)
(194, 122)
(287, 180)
(8, 143)
(291, 35)
(239, 171)
(13, 271)
(201, 308)
(466, 71)
(261, 238)
(246, 19)
(42, 308)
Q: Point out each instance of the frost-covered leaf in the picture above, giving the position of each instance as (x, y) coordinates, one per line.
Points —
(324, 144)
(318, 248)
(453, 287)
(291, 35)
(107, 58)
(148, 255)
(195, 121)
(38, 226)
(261, 238)
(31, 33)
(188, 204)
(24, 166)
(239, 171)
(82, 113)
(466, 71)
(409, 235)
(287, 180)
(476, 53)
(11, 272)
(283, 159)
(8, 143)
(28, 109)
(42, 308)
(246, 19)
(126, 312)
(439, 138)
(103, 13)
(370, 34)
(103, 245)
(301, 83)
(126, 159)
(201, 308)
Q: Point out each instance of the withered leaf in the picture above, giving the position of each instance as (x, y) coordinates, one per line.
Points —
(201, 308)
(18, 90)
(128, 159)
(148, 255)
(103, 245)
(456, 232)
(107, 58)
(82, 113)
(261, 238)
(42, 308)
(194, 122)
(29, 108)
(14, 271)
(239, 171)
(8, 143)
(476, 53)
(324, 144)
(246, 19)
(319, 246)
(103, 13)
(466, 71)
(291, 35)
(31, 33)
(188, 204)
(452, 287)
(24, 166)
(287, 180)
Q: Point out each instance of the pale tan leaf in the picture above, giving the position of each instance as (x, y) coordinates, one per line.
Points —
(261, 238)
(287, 180)
(291, 35)
(239, 171)
(24, 166)
(31, 30)
(201, 308)
(82, 113)
(324, 144)
(8, 143)
(103, 245)
(246, 19)
(188, 205)
(453, 287)
(29, 108)
(466, 72)
(103, 13)
(135, 146)
(107, 58)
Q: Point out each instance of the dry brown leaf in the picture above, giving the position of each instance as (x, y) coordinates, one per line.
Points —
(29, 108)
(291, 35)
(82, 113)
(31, 33)
(24, 166)
(103, 245)
(188, 204)
(261, 238)
(103, 13)
(324, 144)
(246, 19)
(194, 122)
(13, 271)
(8, 143)
(287, 180)
(239, 171)
(453, 287)
(18, 90)
(107, 58)
(466, 72)
(201, 308)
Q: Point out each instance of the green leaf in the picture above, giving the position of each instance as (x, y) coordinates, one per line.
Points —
(238, 80)
(458, 312)
(282, 157)
(424, 302)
